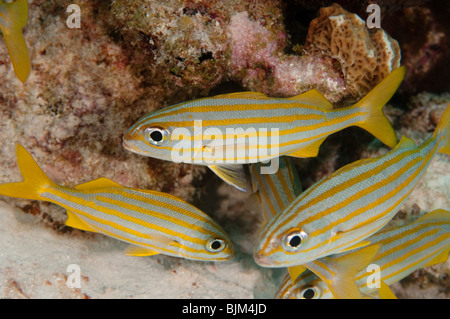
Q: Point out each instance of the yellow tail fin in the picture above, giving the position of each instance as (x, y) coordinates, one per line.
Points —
(376, 122)
(14, 14)
(34, 178)
(443, 128)
(13, 17)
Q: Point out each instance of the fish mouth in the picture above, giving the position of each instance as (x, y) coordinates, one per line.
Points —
(129, 145)
(262, 260)
(125, 143)
(230, 251)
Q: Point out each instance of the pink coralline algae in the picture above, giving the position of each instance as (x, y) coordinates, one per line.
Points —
(257, 61)
(341, 57)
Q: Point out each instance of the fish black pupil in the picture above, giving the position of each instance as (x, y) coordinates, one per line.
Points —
(156, 136)
(216, 244)
(308, 294)
(295, 241)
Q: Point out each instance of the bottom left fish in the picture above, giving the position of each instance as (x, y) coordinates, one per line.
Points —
(152, 222)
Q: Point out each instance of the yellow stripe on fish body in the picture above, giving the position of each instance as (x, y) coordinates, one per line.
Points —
(340, 211)
(404, 249)
(249, 127)
(276, 191)
(153, 222)
(13, 18)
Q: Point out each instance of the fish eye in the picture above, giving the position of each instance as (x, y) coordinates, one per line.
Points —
(293, 240)
(215, 245)
(156, 135)
(310, 293)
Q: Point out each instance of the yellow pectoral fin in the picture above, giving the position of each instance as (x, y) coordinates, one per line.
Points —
(343, 268)
(386, 292)
(312, 150)
(340, 277)
(344, 289)
(142, 251)
(233, 175)
(296, 271)
(139, 251)
(76, 222)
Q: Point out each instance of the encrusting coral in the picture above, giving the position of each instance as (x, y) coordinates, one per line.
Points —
(258, 63)
(366, 56)
(204, 43)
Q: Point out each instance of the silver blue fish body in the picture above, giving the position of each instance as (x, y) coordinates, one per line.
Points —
(342, 210)
(404, 249)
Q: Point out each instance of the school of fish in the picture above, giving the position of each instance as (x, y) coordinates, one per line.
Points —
(327, 236)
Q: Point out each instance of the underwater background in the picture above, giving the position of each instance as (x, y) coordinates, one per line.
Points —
(90, 82)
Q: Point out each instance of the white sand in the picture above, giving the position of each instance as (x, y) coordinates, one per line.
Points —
(34, 261)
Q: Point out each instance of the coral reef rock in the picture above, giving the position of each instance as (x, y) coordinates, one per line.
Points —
(366, 55)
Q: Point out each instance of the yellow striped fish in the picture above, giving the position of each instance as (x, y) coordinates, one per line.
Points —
(226, 131)
(404, 249)
(276, 192)
(339, 212)
(152, 222)
(13, 18)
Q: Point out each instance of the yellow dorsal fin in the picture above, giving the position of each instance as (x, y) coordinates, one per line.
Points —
(139, 251)
(435, 215)
(313, 98)
(76, 222)
(386, 292)
(312, 150)
(405, 143)
(295, 271)
(242, 95)
(101, 182)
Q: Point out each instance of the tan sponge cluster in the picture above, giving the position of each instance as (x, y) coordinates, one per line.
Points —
(366, 56)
